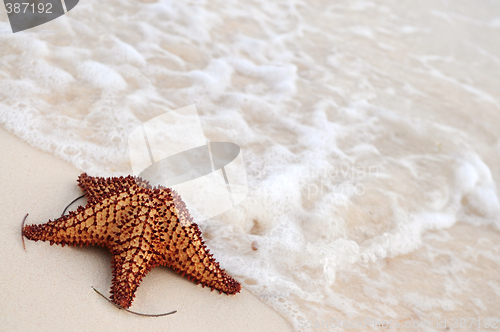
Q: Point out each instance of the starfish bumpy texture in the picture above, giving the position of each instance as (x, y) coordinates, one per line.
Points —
(143, 227)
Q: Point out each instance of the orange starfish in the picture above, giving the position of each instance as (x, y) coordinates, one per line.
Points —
(143, 227)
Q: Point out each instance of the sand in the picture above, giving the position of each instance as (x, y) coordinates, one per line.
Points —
(48, 288)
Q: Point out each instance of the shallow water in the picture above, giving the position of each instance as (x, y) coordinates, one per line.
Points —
(367, 129)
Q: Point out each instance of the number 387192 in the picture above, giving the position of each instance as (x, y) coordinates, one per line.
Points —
(24, 7)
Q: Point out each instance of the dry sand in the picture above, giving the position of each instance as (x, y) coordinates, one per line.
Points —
(48, 288)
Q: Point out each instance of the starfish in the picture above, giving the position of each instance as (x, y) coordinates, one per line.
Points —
(143, 227)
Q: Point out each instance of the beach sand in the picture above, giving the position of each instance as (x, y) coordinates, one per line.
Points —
(48, 288)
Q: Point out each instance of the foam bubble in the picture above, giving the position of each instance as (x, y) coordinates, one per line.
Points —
(100, 76)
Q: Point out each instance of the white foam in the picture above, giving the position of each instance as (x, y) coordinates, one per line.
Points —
(100, 76)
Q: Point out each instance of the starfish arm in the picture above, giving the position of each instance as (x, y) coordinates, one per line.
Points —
(85, 226)
(130, 265)
(187, 254)
(95, 188)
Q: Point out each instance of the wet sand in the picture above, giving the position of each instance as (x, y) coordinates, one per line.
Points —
(49, 287)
